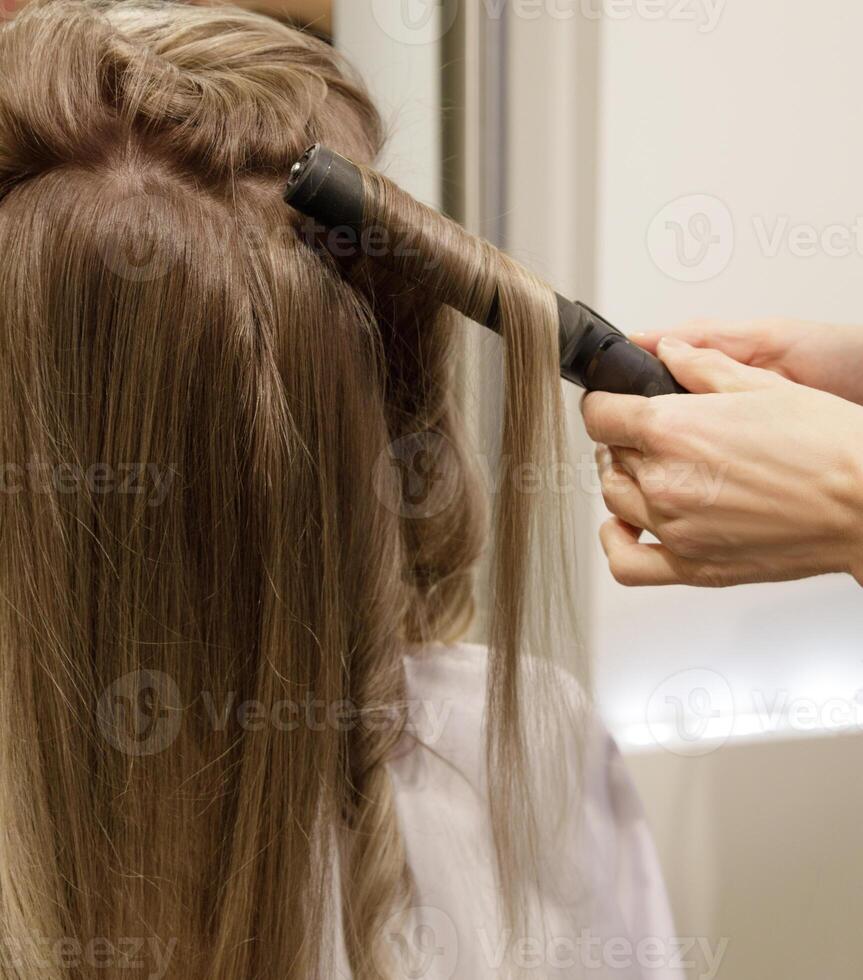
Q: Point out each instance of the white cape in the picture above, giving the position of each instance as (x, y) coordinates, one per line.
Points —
(605, 909)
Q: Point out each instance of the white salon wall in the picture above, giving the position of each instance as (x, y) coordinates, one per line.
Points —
(400, 62)
(760, 839)
(621, 115)
(611, 118)
(761, 113)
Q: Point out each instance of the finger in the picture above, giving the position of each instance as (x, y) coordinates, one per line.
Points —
(614, 420)
(623, 496)
(602, 455)
(699, 333)
(606, 457)
(702, 370)
(649, 341)
(630, 460)
(633, 563)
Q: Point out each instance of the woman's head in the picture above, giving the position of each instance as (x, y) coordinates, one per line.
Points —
(211, 435)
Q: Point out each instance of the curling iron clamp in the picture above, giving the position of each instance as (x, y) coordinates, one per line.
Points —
(593, 354)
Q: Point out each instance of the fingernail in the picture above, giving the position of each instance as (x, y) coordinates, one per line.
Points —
(673, 343)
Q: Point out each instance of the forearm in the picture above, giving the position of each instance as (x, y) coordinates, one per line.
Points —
(817, 355)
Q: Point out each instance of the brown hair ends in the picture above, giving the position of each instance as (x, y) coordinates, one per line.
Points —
(163, 314)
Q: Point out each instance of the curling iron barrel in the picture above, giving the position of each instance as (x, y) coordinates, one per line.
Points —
(593, 354)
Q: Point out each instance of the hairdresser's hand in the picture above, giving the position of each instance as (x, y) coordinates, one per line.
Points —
(752, 478)
(813, 354)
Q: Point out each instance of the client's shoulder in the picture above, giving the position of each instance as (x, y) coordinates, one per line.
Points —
(446, 686)
(460, 670)
(441, 669)
(446, 693)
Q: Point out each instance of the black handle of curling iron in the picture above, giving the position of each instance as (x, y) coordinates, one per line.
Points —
(594, 354)
(597, 356)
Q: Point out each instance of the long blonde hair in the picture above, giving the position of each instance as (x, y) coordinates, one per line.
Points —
(209, 431)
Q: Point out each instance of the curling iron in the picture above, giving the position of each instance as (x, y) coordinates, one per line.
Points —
(328, 188)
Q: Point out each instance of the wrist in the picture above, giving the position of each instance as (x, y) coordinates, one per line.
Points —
(850, 500)
(823, 356)
(855, 560)
(847, 349)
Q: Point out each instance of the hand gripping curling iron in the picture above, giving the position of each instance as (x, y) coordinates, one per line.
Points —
(593, 354)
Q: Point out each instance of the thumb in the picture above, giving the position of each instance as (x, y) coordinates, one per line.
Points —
(702, 370)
